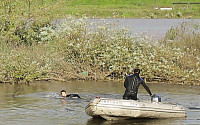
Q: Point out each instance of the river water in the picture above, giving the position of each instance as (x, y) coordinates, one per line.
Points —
(39, 103)
(156, 28)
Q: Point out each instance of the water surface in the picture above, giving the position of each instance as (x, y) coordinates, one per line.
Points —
(40, 103)
(156, 28)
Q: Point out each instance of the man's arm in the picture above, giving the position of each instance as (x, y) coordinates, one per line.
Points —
(77, 95)
(126, 82)
(73, 96)
(146, 87)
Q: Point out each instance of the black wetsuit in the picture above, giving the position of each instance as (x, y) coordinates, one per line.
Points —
(132, 83)
(73, 96)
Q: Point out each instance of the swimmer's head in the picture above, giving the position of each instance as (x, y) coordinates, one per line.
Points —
(63, 93)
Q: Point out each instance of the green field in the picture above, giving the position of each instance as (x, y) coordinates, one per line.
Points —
(132, 8)
(104, 8)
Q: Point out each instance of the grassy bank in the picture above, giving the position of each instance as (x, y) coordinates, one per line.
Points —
(33, 48)
(133, 9)
(103, 8)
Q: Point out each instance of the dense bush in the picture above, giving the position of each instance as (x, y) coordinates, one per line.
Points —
(76, 49)
(115, 52)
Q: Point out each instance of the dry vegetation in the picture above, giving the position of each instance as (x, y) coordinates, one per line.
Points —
(34, 48)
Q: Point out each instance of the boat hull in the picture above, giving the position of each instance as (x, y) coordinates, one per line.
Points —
(117, 109)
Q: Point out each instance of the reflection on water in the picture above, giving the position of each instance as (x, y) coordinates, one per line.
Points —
(40, 103)
(132, 122)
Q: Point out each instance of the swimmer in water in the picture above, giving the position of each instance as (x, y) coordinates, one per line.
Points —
(64, 94)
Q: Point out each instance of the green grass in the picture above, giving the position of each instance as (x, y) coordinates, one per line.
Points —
(132, 9)
(100, 8)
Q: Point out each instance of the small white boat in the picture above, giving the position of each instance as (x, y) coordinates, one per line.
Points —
(116, 109)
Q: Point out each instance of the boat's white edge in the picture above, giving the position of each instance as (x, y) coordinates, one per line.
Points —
(130, 107)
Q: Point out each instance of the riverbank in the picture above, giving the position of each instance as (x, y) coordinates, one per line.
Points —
(75, 49)
(33, 47)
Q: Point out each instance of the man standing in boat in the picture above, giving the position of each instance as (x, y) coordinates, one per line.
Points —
(132, 83)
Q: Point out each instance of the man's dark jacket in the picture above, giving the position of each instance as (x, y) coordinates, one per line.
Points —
(132, 83)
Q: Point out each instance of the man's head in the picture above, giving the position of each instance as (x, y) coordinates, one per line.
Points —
(136, 71)
(63, 93)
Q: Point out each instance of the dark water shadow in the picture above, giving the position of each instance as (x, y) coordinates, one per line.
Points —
(101, 121)
(194, 108)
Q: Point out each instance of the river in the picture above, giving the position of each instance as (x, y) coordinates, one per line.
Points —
(156, 28)
(39, 103)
